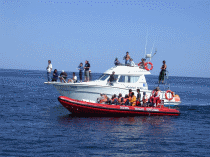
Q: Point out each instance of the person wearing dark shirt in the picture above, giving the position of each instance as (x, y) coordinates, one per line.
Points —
(80, 68)
(130, 92)
(114, 99)
(87, 67)
(126, 100)
(90, 75)
(120, 99)
(138, 99)
(162, 72)
(55, 75)
(63, 76)
(142, 64)
(116, 62)
(111, 79)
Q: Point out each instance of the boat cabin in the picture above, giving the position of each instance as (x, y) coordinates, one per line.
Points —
(131, 77)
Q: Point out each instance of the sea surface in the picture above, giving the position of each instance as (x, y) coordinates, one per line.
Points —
(34, 123)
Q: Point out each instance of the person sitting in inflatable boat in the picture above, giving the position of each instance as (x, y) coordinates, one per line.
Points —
(155, 96)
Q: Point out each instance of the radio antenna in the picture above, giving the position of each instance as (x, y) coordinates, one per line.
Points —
(152, 48)
(146, 43)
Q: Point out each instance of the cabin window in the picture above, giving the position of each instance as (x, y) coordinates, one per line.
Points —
(104, 77)
(128, 79)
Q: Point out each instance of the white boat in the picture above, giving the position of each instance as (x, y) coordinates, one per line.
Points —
(126, 77)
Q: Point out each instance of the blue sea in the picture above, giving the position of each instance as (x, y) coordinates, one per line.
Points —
(34, 123)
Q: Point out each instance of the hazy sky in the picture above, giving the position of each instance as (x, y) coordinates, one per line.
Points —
(69, 32)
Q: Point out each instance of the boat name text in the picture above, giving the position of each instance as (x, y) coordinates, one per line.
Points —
(121, 107)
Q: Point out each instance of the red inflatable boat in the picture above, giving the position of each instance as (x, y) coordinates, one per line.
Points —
(94, 109)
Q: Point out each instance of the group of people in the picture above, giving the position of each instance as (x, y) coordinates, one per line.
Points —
(130, 99)
(86, 69)
(87, 72)
(63, 75)
(128, 60)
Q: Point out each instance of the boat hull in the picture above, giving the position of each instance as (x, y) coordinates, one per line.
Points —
(92, 92)
(95, 109)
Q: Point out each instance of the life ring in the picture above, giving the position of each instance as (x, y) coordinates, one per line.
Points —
(169, 91)
(146, 67)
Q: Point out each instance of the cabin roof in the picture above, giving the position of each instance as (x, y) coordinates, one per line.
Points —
(127, 70)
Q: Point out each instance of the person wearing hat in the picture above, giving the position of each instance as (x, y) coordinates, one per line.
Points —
(117, 62)
(63, 76)
(156, 96)
(162, 72)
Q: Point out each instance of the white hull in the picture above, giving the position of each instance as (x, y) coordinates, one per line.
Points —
(83, 91)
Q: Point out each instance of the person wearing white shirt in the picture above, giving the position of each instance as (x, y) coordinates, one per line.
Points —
(74, 79)
(49, 69)
(132, 62)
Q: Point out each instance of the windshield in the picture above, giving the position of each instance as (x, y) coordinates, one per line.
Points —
(103, 77)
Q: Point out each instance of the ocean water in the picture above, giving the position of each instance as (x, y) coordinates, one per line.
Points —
(34, 123)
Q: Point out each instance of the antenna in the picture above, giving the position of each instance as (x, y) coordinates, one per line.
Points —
(146, 43)
(150, 55)
(155, 51)
(152, 48)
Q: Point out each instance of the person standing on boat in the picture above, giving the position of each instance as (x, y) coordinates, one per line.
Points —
(87, 67)
(90, 75)
(130, 92)
(117, 62)
(49, 69)
(127, 58)
(81, 69)
(111, 79)
(138, 101)
(162, 72)
(55, 75)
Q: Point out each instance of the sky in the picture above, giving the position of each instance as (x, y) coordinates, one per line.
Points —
(71, 31)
